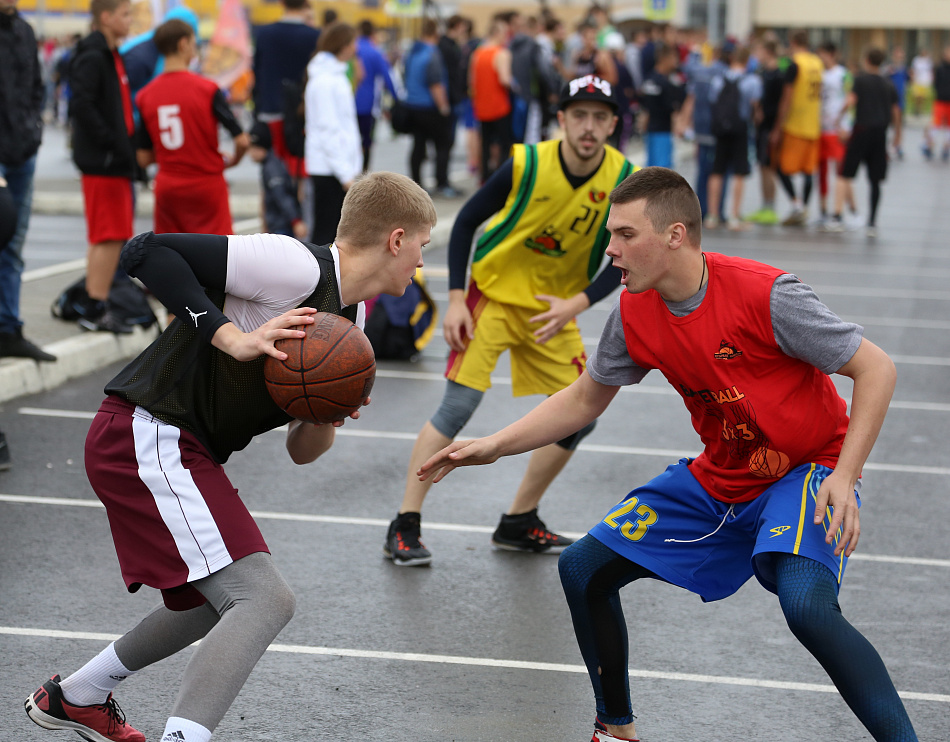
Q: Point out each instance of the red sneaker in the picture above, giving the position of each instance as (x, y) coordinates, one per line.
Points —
(103, 722)
(602, 735)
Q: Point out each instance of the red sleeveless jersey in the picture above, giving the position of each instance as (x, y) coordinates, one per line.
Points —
(176, 108)
(759, 412)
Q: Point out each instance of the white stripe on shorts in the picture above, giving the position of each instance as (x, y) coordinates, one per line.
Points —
(177, 497)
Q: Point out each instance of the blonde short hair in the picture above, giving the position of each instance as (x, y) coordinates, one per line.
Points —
(377, 203)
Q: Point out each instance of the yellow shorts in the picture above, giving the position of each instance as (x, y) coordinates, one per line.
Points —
(536, 368)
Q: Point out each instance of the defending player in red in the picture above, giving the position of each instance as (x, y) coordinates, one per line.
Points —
(176, 413)
(180, 113)
(774, 493)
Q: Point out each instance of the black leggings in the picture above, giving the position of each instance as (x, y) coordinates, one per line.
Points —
(592, 575)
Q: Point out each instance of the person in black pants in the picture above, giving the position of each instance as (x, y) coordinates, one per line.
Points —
(874, 101)
(430, 113)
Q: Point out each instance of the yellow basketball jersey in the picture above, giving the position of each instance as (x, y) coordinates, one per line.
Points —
(804, 115)
(550, 237)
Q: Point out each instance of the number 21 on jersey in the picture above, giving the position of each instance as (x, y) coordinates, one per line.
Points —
(636, 529)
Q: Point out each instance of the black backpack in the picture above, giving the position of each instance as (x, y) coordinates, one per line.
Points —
(399, 327)
(726, 118)
(127, 301)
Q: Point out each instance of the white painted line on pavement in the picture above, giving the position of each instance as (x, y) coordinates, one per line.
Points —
(448, 659)
(940, 471)
(341, 520)
(54, 270)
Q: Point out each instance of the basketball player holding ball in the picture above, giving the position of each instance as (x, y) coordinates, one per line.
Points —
(774, 492)
(178, 411)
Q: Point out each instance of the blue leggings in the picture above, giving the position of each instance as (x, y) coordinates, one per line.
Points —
(592, 575)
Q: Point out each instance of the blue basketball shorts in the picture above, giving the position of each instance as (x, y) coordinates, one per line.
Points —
(674, 528)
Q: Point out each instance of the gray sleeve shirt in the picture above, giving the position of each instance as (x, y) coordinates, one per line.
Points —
(804, 328)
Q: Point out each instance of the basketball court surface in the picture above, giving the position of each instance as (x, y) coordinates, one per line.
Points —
(479, 647)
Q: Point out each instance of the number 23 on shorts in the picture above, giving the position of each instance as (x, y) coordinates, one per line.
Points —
(632, 530)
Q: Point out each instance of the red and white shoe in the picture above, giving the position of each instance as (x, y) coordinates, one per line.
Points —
(602, 735)
(102, 722)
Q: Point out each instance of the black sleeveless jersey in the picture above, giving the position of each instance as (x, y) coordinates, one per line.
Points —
(186, 382)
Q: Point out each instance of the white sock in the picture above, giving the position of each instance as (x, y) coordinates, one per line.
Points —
(183, 730)
(93, 682)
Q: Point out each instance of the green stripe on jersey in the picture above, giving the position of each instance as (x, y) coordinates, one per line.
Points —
(492, 238)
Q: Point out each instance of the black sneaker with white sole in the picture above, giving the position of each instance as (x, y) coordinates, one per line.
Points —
(527, 532)
(403, 543)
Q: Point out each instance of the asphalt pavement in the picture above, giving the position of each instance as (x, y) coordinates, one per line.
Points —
(479, 647)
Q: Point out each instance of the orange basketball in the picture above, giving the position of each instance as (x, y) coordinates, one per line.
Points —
(768, 464)
(327, 375)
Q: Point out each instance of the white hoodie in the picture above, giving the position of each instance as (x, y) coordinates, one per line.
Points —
(333, 145)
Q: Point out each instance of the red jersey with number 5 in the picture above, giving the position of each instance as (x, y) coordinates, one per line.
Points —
(178, 114)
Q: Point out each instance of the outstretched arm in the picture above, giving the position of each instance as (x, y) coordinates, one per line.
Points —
(554, 419)
(874, 378)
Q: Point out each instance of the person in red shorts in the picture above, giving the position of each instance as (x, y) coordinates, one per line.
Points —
(180, 113)
(836, 82)
(100, 112)
(941, 109)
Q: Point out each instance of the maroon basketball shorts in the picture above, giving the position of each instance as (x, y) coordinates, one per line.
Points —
(175, 517)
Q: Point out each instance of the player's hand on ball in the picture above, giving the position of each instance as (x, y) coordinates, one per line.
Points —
(246, 346)
(837, 493)
(355, 415)
(460, 453)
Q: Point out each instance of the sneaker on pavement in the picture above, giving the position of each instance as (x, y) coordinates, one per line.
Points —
(527, 532)
(403, 543)
(14, 345)
(5, 462)
(711, 221)
(105, 322)
(835, 224)
(602, 735)
(871, 231)
(735, 224)
(928, 153)
(763, 216)
(795, 219)
(99, 723)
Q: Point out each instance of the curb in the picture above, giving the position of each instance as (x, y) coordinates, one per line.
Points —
(76, 356)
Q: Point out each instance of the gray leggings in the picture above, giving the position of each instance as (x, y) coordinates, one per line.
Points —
(248, 604)
(459, 404)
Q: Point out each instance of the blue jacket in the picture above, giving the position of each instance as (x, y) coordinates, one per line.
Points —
(140, 56)
(424, 68)
(376, 74)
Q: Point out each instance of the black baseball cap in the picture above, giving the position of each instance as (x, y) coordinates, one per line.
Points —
(587, 88)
